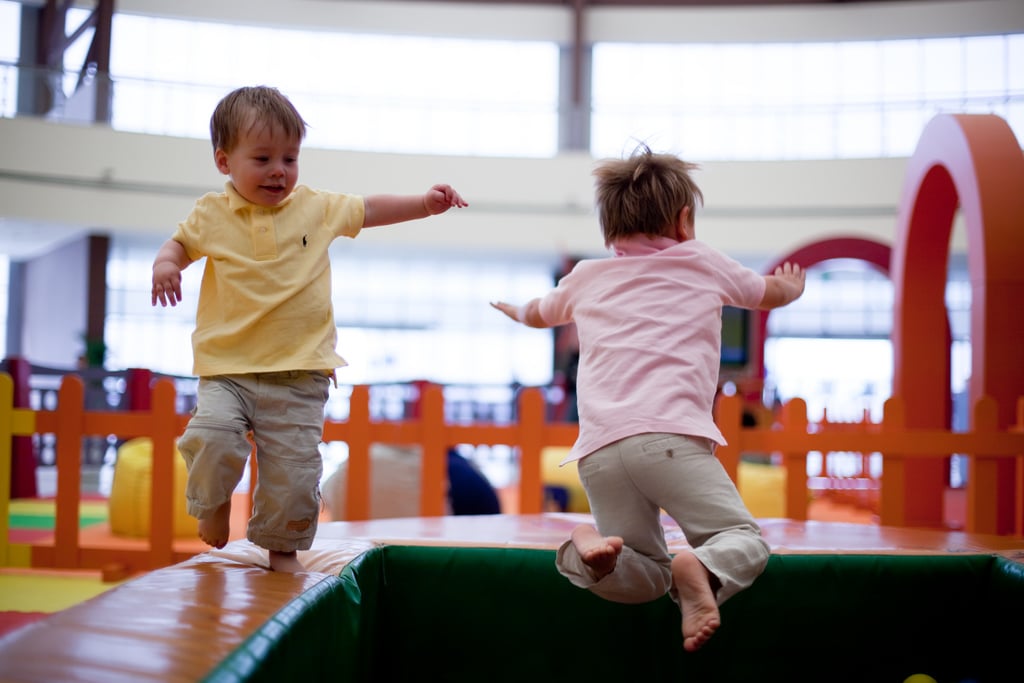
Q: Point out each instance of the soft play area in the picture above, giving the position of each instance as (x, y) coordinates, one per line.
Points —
(504, 608)
(469, 598)
(435, 596)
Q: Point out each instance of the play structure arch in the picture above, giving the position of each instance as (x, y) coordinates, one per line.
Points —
(970, 162)
(974, 164)
(870, 251)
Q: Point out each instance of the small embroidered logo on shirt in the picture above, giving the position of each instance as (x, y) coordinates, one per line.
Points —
(304, 240)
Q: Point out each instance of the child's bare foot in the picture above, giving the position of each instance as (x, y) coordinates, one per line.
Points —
(215, 529)
(598, 552)
(692, 582)
(285, 562)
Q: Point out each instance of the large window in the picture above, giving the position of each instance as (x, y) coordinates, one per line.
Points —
(379, 93)
(810, 100)
(416, 94)
(10, 44)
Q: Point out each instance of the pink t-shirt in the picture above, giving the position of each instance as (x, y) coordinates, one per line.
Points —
(649, 324)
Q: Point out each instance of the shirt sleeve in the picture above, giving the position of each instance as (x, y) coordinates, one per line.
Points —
(741, 286)
(556, 307)
(188, 234)
(344, 213)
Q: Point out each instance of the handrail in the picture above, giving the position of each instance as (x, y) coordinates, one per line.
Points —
(793, 437)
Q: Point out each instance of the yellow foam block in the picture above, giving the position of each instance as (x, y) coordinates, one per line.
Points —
(132, 487)
(567, 477)
(763, 489)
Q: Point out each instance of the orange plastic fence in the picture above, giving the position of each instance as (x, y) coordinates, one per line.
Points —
(986, 445)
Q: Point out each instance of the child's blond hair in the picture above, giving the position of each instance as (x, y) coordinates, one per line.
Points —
(244, 108)
(644, 193)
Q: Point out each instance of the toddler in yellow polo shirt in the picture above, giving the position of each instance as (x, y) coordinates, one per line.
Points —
(264, 341)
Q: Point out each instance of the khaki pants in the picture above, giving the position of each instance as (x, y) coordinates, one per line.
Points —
(629, 483)
(285, 413)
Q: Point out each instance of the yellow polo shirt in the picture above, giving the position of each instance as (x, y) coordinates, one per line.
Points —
(265, 299)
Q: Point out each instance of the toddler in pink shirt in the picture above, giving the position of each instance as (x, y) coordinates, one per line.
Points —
(649, 324)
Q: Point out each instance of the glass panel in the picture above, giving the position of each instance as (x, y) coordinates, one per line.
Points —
(860, 72)
(901, 77)
(859, 132)
(775, 84)
(818, 73)
(10, 30)
(10, 46)
(363, 92)
(942, 67)
(1015, 63)
(803, 100)
(985, 66)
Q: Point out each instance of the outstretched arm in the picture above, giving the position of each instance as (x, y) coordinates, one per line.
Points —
(386, 209)
(527, 314)
(785, 286)
(167, 267)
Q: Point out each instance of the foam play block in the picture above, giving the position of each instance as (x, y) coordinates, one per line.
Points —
(132, 487)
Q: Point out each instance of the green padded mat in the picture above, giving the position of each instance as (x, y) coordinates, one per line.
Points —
(407, 613)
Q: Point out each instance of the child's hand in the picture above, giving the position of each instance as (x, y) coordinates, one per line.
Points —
(508, 309)
(793, 274)
(527, 314)
(440, 198)
(166, 283)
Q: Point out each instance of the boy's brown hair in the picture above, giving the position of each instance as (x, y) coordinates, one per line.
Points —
(644, 194)
(248, 107)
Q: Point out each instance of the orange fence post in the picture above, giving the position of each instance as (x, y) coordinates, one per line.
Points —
(983, 473)
(70, 430)
(531, 435)
(794, 422)
(164, 430)
(434, 450)
(357, 495)
(729, 416)
(892, 505)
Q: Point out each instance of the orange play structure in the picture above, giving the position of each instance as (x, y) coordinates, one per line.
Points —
(974, 163)
(970, 162)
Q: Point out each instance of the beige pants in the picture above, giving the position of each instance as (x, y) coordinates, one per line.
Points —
(629, 483)
(285, 413)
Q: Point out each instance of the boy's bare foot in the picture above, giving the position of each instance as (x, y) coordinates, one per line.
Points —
(598, 552)
(285, 562)
(215, 529)
(692, 582)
